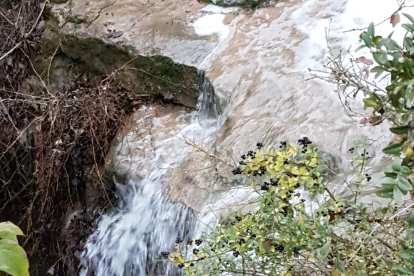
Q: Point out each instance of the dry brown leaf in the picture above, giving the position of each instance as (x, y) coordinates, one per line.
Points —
(395, 19)
(364, 60)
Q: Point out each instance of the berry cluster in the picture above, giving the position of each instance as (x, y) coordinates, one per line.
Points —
(236, 253)
(165, 254)
(365, 153)
(259, 145)
(279, 248)
(283, 144)
(196, 251)
(198, 242)
(284, 211)
(304, 142)
(368, 177)
(351, 150)
(274, 182)
(289, 174)
(237, 171)
(178, 240)
(265, 187)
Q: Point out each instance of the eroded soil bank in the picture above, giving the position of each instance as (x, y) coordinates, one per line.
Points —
(63, 100)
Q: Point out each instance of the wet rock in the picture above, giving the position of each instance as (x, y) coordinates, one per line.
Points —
(154, 75)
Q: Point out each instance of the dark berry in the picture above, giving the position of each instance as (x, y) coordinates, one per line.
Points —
(242, 163)
(237, 171)
(198, 242)
(259, 145)
(243, 156)
(255, 173)
(369, 178)
(285, 162)
(192, 264)
(165, 254)
(264, 187)
(262, 168)
(180, 265)
(241, 241)
(178, 240)
(195, 251)
(250, 153)
(303, 200)
(236, 253)
(274, 182)
(280, 248)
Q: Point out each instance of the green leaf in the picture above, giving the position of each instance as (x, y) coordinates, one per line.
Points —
(377, 69)
(409, 235)
(371, 30)
(380, 57)
(408, 27)
(367, 40)
(9, 231)
(403, 183)
(390, 44)
(388, 180)
(405, 170)
(369, 102)
(409, 17)
(393, 149)
(360, 47)
(397, 194)
(324, 250)
(13, 259)
(339, 265)
(10, 228)
(408, 42)
(410, 219)
(384, 193)
(399, 129)
(406, 255)
(402, 269)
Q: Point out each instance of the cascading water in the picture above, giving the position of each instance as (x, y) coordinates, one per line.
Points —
(129, 241)
(259, 71)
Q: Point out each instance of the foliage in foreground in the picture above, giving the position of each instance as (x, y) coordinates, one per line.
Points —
(13, 259)
(299, 227)
(290, 233)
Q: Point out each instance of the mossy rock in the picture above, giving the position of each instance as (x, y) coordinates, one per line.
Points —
(229, 3)
(155, 75)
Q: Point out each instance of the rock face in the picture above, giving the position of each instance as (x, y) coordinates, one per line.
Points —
(141, 75)
(257, 61)
(228, 3)
(154, 27)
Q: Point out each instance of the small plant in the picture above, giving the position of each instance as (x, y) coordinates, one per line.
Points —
(13, 259)
(292, 232)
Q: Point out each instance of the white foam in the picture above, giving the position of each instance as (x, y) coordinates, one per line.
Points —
(211, 24)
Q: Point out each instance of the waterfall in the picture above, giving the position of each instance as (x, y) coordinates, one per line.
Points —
(129, 241)
(261, 71)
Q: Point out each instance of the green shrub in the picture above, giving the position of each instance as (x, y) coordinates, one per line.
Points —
(13, 259)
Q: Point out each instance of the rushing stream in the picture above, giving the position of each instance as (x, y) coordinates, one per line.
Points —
(259, 71)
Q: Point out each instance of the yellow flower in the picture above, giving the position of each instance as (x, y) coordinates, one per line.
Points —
(293, 149)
